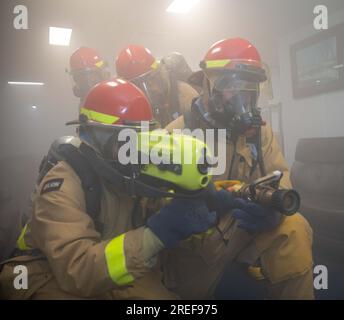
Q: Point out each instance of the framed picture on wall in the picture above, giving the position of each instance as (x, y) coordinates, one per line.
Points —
(317, 63)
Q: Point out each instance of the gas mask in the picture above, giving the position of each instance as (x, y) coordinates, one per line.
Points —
(100, 139)
(233, 103)
(155, 88)
(85, 80)
(104, 138)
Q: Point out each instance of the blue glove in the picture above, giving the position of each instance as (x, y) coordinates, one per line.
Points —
(222, 201)
(255, 218)
(180, 219)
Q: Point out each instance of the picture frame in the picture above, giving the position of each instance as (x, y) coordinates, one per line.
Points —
(317, 63)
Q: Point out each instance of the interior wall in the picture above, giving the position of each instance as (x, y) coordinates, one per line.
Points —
(316, 116)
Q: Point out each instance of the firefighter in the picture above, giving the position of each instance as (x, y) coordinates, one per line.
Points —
(82, 240)
(233, 72)
(87, 68)
(169, 96)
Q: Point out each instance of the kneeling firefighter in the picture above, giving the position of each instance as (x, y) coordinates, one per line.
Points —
(99, 229)
(232, 73)
(161, 82)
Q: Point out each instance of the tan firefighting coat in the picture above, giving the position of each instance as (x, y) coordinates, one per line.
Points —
(286, 253)
(186, 94)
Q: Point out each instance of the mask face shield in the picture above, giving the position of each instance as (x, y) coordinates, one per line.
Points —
(104, 138)
(85, 80)
(154, 87)
(96, 136)
(233, 101)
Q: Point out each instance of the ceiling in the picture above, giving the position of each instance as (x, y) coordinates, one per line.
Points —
(108, 25)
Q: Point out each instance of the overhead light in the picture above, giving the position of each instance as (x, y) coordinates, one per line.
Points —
(26, 83)
(34, 107)
(59, 36)
(181, 6)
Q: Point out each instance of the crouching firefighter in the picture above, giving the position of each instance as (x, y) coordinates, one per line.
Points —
(232, 73)
(99, 229)
(88, 236)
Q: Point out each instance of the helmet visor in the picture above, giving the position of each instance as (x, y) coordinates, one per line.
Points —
(104, 137)
(226, 80)
(154, 87)
(85, 79)
(88, 79)
(249, 70)
(233, 102)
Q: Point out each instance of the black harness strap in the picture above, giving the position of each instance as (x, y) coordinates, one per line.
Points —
(89, 180)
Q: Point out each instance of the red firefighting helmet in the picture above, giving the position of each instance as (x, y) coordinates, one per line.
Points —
(236, 55)
(135, 61)
(85, 59)
(116, 102)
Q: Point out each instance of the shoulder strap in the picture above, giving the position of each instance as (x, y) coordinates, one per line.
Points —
(188, 119)
(53, 156)
(89, 180)
(191, 118)
(63, 149)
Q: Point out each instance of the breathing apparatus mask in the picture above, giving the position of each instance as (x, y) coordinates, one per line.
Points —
(84, 80)
(155, 87)
(233, 102)
(233, 94)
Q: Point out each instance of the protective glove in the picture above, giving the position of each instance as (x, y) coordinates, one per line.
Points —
(180, 219)
(255, 218)
(222, 201)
